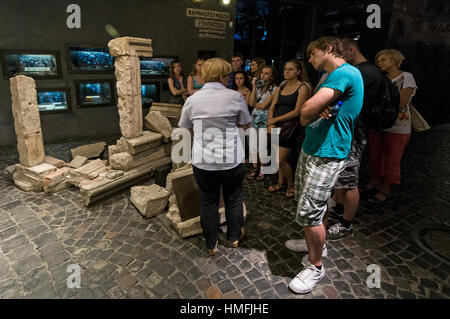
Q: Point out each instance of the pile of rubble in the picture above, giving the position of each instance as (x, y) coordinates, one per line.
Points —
(180, 199)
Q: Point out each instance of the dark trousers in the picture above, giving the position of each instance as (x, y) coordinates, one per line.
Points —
(209, 183)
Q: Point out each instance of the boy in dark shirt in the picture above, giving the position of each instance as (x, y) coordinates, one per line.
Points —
(346, 189)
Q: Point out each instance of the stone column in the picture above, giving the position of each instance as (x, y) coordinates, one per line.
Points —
(128, 74)
(27, 121)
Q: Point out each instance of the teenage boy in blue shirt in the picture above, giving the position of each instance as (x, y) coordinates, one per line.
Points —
(324, 151)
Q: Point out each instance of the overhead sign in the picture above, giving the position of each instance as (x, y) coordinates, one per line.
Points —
(210, 24)
(212, 34)
(207, 14)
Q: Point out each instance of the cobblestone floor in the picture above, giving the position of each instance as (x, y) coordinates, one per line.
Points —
(123, 255)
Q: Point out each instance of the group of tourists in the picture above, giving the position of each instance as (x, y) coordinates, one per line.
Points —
(331, 124)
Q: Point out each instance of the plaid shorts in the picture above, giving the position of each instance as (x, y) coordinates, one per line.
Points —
(349, 177)
(315, 178)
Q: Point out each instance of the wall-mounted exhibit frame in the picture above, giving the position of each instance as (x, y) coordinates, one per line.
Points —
(156, 66)
(95, 93)
(38, 64)
(83, 58)
(150, 91)
(54, 100)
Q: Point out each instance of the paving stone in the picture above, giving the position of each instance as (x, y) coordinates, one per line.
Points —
(213, 293)
(13, 243)
(203, 284)
(341, 286)
(127, 282)
(226, 286)
(253, 274)
(29, 263)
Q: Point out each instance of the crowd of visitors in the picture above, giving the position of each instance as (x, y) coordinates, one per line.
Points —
(331, 118)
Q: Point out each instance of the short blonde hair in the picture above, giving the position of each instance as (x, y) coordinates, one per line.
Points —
(396, 56)
(214, 68)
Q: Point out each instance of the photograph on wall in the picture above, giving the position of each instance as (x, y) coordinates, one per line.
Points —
(94, 93)
(156, 66)
(30, 64)
(85, 60)
(150, 93)
(53, 100)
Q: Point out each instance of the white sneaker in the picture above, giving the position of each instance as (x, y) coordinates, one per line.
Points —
(299, 246)
(307, 279)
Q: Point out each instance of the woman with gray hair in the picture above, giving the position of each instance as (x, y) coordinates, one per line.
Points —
(214, 115)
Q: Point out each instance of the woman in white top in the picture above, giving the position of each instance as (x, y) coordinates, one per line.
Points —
(387, 146)
(215, 113)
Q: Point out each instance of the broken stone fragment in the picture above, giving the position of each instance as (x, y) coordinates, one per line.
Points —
(158, 123)
(56, 177)
(78, 161)
(121, 161)
(58, 187)
(113, 149)
(147, 141)
(149, 200)
(54, 161)
(89, 170)
(113, 174)
(40, 170)
(89, 151)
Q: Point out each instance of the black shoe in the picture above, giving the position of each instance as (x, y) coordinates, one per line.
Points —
(337, 212)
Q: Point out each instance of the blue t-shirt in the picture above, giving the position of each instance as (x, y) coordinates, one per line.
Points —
(333, 137)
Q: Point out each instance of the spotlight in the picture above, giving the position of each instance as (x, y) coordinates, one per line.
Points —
(226, 2)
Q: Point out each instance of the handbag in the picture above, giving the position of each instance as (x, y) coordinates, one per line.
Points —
(289, 128)
(418, 123)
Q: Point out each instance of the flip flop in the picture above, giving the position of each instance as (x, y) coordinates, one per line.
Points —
(290, 193)
(277, 187)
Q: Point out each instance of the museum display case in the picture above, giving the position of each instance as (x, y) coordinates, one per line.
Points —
(157, 66)
(87, 59)
(94, 93)
(34, 63)
(54, 100)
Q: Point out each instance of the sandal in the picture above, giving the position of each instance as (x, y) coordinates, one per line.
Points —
(253, 173)
(290, 193)
(213, 252)
(260, 177)
(375, 199)
(235, 243)
(277, 187)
